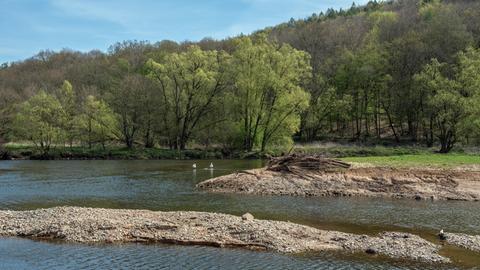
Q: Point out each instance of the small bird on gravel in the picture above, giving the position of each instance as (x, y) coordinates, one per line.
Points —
(442, 235)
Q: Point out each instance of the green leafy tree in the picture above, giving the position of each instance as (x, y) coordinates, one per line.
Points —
(443, 31)
(364, 77)
(402, 102)
(97, 123)
(445, 105)
(268, 94)
(469, 78)
(190, 83)
(66, 97)
(40, 120)
(469, 74)
(324, 105)
(126, 99)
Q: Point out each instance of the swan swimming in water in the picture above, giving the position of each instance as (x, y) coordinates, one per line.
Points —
(211, 166)
(194, 166)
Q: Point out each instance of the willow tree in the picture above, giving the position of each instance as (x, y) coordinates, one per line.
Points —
(267, 93)
(190, 84)
(41, 120)
(97, 122)
(66, 97)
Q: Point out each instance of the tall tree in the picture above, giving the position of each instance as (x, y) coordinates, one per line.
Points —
(469, 79)
(189, 84)
(66, 96)
(40, 120)
(445, 105)
(97, 123)
(126, 100)
(268, 90)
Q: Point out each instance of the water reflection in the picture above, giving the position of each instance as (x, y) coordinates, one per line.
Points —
(17, 254)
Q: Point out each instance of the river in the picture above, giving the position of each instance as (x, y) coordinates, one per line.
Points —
(170, 185)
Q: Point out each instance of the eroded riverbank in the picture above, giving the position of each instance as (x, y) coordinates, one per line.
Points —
(414, 183)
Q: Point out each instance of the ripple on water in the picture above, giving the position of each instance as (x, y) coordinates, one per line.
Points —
(169, 185)
(17, 254)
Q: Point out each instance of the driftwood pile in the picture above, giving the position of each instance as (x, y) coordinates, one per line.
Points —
(306, 163)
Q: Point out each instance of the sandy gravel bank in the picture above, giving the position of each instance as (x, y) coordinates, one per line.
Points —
(88, 225)
(471, 242)
(370, 182)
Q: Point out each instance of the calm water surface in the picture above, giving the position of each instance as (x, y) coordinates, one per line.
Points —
(170, 185)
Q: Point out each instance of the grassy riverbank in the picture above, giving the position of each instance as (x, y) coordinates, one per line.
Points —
(420, 160)
(377, 155)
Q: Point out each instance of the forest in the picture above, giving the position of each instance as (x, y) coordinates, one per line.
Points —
(403, 71)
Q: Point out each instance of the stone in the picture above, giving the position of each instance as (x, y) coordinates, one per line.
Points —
(247, 217)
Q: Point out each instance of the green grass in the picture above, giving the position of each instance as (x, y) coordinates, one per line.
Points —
(351, 150)
(394, 156)
(421, 160)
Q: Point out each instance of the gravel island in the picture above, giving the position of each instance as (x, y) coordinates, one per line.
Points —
(471, 242)
(414, 183)
(93, 225)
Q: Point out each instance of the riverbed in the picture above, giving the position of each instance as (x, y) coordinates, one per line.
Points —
(170, 185)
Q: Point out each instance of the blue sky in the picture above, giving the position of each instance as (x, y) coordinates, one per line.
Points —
(28, 26)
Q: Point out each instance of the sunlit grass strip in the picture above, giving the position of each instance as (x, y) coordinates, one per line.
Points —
(421, 160)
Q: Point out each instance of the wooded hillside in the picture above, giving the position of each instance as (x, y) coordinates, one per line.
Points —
(400, 71)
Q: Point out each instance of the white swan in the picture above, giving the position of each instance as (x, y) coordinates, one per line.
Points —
(194, 166)
(211, 165)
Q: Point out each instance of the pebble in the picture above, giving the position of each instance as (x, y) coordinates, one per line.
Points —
(247, 217)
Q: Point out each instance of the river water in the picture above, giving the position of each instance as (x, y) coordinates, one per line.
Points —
(170, 185)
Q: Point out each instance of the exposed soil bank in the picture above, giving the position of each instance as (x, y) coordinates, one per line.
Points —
(415, 183)
(196, 228)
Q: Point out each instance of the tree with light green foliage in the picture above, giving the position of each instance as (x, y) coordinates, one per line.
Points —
(445, 105)
(66, 97)
(189, 84)
(40, 120)
(469, 78)
(268, 96)
(97, 123)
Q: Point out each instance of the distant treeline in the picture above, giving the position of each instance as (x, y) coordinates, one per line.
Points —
(398, 70)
